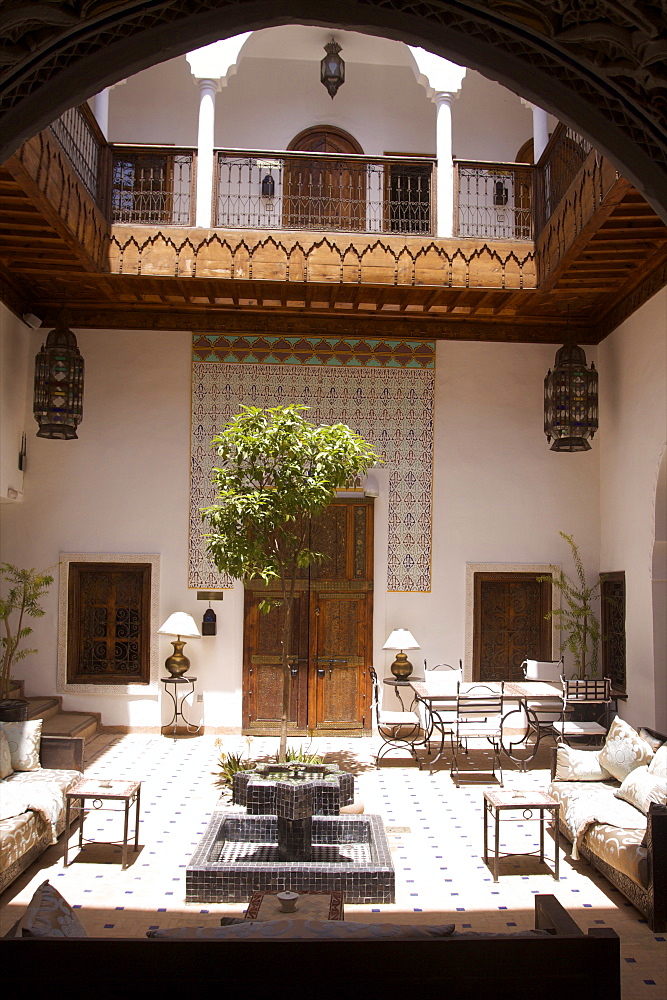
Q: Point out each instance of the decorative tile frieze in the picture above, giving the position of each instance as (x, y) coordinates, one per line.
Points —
(391, 405)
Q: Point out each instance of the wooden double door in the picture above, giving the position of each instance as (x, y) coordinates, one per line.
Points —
(331, 641)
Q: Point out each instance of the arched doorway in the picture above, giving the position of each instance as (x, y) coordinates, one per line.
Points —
(58, 59)
(328, 192)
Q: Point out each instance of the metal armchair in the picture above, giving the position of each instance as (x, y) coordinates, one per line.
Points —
(590, 691)
(479, 714)
(397, 730)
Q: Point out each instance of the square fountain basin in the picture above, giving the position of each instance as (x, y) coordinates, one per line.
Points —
(238, 855)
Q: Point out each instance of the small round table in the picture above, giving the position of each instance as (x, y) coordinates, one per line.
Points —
(173, 687)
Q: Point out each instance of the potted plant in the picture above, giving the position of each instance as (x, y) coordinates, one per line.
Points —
(577, 617)
(22, 600)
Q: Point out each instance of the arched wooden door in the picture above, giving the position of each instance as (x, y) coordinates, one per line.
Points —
(324, 192)
(331, 644)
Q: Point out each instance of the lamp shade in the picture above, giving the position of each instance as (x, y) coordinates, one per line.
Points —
(180, 623)
(400, 638)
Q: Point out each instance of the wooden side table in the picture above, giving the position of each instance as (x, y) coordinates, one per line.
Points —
(99, 791)
(310, 906)
(528, 803)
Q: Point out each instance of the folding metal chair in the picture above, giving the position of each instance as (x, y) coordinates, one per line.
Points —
(590, 691)
(479, 714)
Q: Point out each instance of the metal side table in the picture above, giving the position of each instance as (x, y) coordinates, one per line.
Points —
(175, 688)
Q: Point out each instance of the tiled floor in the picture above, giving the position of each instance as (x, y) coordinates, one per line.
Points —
(435, 831)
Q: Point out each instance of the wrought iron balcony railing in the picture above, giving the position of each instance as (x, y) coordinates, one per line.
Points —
(495, 200)
(325, 191)
(558, 166)
(152, 186)
(79, 135)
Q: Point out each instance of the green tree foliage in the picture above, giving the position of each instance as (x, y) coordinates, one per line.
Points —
(277, 471)
(26, 588)
(577, 617)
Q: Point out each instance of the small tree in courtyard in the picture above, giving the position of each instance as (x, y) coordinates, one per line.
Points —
(277, 472)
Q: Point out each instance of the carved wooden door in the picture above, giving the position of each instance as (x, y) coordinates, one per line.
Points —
(509, 624)
(320, 192)
(331, 643)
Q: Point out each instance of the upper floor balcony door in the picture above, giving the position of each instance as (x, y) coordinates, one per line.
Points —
(323, 193)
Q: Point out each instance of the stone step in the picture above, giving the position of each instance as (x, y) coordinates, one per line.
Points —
(72, 724)
(55, 722)
(43, 708)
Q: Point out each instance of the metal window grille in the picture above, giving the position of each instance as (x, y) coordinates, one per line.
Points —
(152, 188)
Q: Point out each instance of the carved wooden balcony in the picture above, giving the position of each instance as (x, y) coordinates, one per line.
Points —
(331, 240)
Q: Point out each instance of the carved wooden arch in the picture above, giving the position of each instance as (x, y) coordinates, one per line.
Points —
(330, 135)
(599, 66)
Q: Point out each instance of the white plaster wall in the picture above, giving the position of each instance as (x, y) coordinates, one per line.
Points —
(269, 100)
(500, 495)
(122, 487)
(14, 364)
(633, 421)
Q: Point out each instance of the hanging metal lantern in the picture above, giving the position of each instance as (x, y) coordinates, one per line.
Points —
(332, 68)
(58, 396)
(571, 401)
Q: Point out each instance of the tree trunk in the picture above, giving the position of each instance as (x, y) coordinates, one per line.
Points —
(287, 677)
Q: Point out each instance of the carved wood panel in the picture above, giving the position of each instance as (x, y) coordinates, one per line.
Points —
(331, 636)
(262, 662)
(510, 624)
(612, 620)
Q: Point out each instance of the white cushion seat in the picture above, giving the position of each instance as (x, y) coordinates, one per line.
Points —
(582, 729)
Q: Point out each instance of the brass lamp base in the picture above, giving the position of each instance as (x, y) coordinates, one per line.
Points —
(177, 664)
(401, 668)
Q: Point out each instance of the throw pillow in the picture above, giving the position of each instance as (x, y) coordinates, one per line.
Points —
(5, 757)
(658, 765)
(653, 741)
(24, 739)
(624, 750)
(579, 765)
(50, 915)
(305, 930)
(640, 788)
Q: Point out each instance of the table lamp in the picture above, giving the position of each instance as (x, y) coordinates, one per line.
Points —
(178, 624)
(401, 640)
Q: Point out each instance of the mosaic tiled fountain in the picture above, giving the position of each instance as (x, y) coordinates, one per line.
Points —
(293, 837)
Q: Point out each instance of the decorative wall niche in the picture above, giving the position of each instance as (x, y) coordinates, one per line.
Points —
(108, 617)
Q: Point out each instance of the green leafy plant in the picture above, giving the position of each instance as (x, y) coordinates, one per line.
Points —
(301, 756)
(22, 600)
(577, 617)
(277, 472)
(229, 764)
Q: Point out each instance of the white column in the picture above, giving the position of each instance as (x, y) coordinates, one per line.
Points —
(207, 91)
(100, 108)
(443, 146)
(540, 131)
(540, 128)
